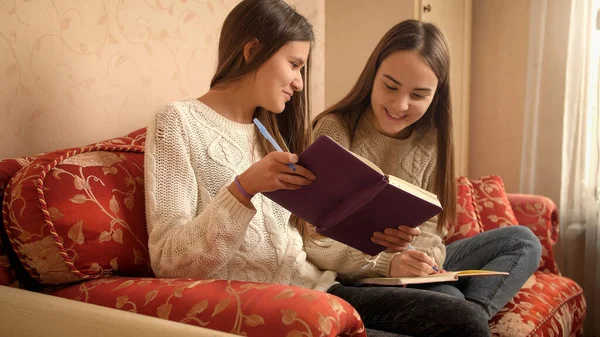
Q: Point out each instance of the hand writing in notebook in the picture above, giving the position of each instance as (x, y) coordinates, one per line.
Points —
(412, 262)
(396, 240)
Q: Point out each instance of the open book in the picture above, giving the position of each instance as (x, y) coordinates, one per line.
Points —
(443, 277)
(351, 198)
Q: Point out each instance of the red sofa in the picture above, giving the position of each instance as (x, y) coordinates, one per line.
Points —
(74, 227)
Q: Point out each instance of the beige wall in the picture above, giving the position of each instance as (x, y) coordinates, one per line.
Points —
(498, 82)
(74, 72)
(353, 28)
(504, 91)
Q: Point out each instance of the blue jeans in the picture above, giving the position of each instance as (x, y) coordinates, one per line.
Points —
(398, 311)
(512, 249)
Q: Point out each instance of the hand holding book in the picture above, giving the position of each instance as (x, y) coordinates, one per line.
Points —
(396, 240)
(352, 198)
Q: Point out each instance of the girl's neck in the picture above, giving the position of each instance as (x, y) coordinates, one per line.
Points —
(233, 102)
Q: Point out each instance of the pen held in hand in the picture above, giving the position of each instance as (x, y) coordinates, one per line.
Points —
(434, 267)
(270, 138)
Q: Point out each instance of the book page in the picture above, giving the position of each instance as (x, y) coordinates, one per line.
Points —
(414, 190)
(368, 162)
(442, 277)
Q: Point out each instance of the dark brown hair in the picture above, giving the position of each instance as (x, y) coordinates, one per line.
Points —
(272, 23)
(427, 40)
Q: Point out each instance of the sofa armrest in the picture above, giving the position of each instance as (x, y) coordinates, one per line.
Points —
(244, 308)
(26, 313)
(540, 214)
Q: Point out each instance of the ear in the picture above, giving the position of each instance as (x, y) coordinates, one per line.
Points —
(249, 50)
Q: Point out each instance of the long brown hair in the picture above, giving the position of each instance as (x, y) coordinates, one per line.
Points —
(272, 23)
(430, 43)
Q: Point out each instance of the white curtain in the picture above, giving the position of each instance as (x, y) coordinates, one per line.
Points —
(580, 189)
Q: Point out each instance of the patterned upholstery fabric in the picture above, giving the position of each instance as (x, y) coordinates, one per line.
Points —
(79, 214)
(243, 308)
(492, 203)
(541, 216)
(547, 305)
(75, 219)
(468, 222)
(8, 168)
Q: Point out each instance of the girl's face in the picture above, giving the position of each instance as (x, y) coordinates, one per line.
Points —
(280, 76)
(402, 92)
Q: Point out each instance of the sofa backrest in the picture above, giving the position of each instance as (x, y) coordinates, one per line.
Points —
(77, 214)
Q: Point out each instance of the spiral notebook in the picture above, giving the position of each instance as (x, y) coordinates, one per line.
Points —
(351, 198)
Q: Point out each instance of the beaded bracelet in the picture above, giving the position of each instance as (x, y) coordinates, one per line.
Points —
(241, 189)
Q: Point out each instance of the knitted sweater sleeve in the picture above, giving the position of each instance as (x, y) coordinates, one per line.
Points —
(191, 234)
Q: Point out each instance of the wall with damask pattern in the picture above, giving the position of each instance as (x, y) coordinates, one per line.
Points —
(74, 72)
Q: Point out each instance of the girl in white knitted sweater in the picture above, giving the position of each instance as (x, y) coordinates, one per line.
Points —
(206, 166)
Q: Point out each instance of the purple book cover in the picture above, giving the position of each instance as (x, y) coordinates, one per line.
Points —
(349, 200)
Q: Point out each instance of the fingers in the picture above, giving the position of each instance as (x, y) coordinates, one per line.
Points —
(420, 261)
(413, 231)
(393, 244)
(300, 171)
(284, 157)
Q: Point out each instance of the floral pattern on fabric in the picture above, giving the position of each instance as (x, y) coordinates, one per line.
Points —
(242, 308)
(79, 214)
(541, 216)
(467, 221)
(547, 305)
(8, 168)
(492, 203)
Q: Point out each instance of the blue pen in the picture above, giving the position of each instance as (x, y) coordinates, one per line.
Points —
(270, 138)
(434, 267)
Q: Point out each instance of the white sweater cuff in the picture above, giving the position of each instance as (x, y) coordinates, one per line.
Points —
(237, 211)
(383, 263)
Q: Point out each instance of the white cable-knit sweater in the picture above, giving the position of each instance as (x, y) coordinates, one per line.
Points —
(196, 227)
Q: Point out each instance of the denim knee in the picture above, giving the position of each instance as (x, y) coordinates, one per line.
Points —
(525, 239)
(470, 320)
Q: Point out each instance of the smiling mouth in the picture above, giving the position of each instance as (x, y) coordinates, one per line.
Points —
(289, 96)
(394, 116)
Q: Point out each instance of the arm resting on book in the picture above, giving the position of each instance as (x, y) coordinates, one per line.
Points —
(328, 254)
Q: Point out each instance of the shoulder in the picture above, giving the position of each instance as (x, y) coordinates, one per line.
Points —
(175, 111)
(427, 141)
(334, 126)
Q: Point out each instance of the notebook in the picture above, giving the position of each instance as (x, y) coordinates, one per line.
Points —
(351, 198)
(443, 277)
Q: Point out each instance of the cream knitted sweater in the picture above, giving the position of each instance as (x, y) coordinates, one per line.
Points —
(196, 227)
(412, 159)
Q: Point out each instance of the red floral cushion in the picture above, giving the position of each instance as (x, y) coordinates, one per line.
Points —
(546, 305)
(8, 168)
(540, 215)
(79, 214)
(243, 308)
(467, 221)
(492, 203)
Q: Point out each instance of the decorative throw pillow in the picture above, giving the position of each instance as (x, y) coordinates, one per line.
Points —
(492, 203)
(79, 214)
(467, 221)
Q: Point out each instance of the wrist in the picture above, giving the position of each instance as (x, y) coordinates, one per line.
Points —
(244, 185)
